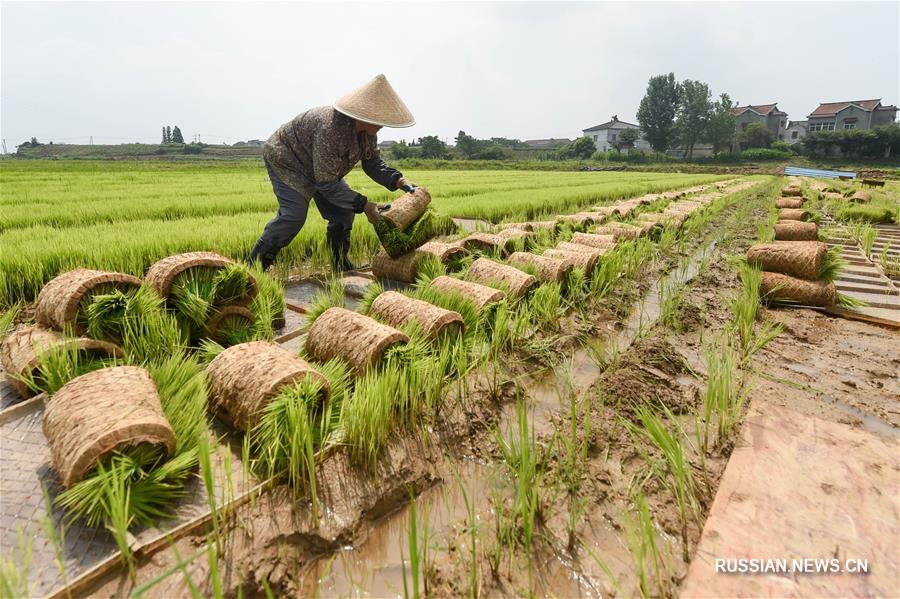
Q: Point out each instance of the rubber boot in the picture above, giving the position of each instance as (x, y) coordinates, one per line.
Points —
(339, 243)
(262, 253)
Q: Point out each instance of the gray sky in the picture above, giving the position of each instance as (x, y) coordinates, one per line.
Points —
(526, 70)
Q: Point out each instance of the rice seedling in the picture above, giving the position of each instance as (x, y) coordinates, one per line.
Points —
(680, 478)
(849, 302)
(415, 557)
(832, 265)
(15, 568)
(430, 267)
(544, 306)
(723, 400)
(397, 242)
(331, 296)
(671, 299)
(641, 533)
(8, 317)
(193, 296)
(472, 529)
(57, 536)
(102, 312)
(231, 284)
(58, 365)
(150, 333)
(268, 305)
(745, 305)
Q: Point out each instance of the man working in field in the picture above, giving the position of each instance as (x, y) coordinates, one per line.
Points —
(309, 156)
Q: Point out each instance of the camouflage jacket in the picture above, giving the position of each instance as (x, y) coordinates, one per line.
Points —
(313, 152)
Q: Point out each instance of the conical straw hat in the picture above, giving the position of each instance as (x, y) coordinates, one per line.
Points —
(376, 102)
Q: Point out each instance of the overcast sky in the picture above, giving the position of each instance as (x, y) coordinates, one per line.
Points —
(527, 70)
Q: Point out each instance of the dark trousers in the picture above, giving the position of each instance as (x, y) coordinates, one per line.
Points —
(292, 209)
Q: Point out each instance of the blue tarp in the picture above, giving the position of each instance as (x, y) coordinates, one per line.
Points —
(811, 172)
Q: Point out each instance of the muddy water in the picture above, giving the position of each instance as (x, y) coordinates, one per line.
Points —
(472, 224)
(374, 566)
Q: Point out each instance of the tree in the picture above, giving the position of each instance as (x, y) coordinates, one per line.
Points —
(582, 148)
(400, 150)
(165, 139)
(720, 128)
(168, 134)
(432, 147)
(656, 113)
(756, 135)
(628, 138)
(694, 108)
(467, 145)
(177, 138)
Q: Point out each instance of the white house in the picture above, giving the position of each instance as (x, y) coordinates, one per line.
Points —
(605, 136)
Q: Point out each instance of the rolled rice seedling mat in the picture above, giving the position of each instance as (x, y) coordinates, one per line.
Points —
(619, 231)
(58, 302)
(445, 252)
(585, 261)
(594, 240)
(861, 196)
(481, 296)
(801, 259)
(217, 328)
(397, 310)
(407, 209)
(795, 230)
(21, 350)
(523, 226)
(791, 191)
(579, 220)
(783, 288)
(550, 269)
(568, 246)
(541, 225)
(244, 378)
(513, 233)
(361, 341)
(100, 412)
(482, 242)
(793, 214)
(789, 203)
(488, 272)
(163, 273)
(402, 269)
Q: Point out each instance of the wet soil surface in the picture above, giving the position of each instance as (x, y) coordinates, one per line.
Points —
(360, 545)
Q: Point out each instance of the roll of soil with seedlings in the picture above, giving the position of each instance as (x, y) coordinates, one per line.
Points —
(399, 310)
(231, 283)
(402, 269)
(93, 302)
(513, 233)
(483, 242)
(451, 255)
(568, 246)
(791, 191)
(585, 261)
(494, 274)
(580, 220)
(793, 214)
(549, 269)
(230, 325)
(523, 226)
(408, 224)
(789, 203)
(861, 196)
(686, 206)
(778, 287)
(358, 340)
(481, 296)
(244, 378)
(594, 240)
(795, 230)
(801, 259)
(619, 231)
(101, 412)
(34, 355)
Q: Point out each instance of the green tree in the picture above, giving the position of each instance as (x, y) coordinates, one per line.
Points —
(756, 135)
(432, 147)
(400, 150)
(656, 113)
(467, 145)
(165, 139)
(168, 134)
(177, 138)
(720, 129)
(582, 148)
(628, 138)
(692, 117)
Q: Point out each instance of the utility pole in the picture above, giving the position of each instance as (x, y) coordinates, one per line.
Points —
(92, 140)
(4, 146)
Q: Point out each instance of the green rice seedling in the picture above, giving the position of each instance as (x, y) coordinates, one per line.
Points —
(723, 399)
(832, 265)
(8, 317)
(204, 453)
(15, 568)
(150, 333)
(520, 456)
(102, 312)
(181, 383)
(234, 329)
(867, 238)
(231, 283)
(59, 365)
(641, 532)
(57, 536)
(869, 214)
(193, 295)
(544, 304)
(396, 242)
(208, 350)
(330, 297)
(746, 303)
(180, 566)
(575, 288)
(849, 302)
(116, 499)
(372, 292)
(212, 558)
(451, 301)
(671, 296)
(680, 474)
(415, 557)
(268, 305)
(472, 529)
(428, 268)
(366, 417)
(765, 233)
(766, 333)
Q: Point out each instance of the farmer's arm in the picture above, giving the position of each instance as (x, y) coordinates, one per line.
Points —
(381, 173)
(327, 167)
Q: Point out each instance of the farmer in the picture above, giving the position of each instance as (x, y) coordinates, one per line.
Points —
(308, 157)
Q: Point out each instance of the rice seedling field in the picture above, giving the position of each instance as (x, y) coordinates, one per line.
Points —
(125, 216)
(546, 406)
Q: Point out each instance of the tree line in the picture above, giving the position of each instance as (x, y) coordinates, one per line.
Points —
(172, 135)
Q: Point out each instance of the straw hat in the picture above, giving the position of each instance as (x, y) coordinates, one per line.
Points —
(376, 102)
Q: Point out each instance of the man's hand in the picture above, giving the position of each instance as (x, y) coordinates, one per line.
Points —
(373, 211)
(406, 185)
